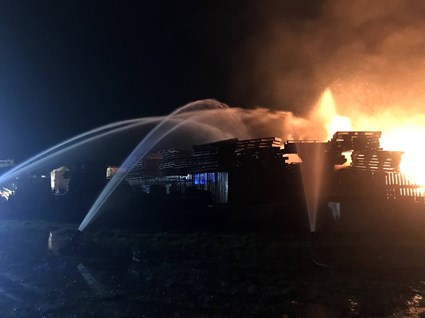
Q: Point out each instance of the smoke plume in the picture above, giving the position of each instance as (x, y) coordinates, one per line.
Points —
(371, 54)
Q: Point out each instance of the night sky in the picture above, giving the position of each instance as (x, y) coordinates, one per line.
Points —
(69, 66)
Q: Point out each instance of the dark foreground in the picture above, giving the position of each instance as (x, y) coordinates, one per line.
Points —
(124, 273)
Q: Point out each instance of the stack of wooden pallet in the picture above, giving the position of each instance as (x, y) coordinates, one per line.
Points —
(254, 144)
(216, 156)
(376, 160)
(175, 161)
(367, 155)
(261, 148)
(355, 140)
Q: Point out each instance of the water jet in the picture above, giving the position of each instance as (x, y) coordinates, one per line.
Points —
(165, 127)
(73, 143)
(312, 168)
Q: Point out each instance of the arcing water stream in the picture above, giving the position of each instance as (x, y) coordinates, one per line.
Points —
(200, 121)
(194, 113)
(73, 143)
(207, 121)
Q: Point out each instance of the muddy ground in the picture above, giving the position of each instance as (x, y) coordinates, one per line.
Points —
(129, 273)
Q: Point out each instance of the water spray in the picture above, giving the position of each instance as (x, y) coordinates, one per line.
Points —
(75, 142)
(165, 127)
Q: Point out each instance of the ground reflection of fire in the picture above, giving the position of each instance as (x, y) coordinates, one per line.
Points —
(400, 132)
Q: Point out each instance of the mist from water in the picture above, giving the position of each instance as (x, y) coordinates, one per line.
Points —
(72, 144)
(213, 121)
(193, 114)
(195, 123)
(312, 172)
(221, 123)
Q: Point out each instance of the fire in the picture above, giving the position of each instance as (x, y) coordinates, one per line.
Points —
(405, 137)
(327, 114)
(400, 132)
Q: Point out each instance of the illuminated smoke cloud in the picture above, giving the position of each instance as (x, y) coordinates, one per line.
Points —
(370, 53)
(242, 123)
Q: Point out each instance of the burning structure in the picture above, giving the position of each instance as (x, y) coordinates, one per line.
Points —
(350, 175)
(370, 161)
(259, 170)
(350, 178)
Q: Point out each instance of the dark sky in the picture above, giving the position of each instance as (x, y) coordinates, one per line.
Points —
(68, 66)
(72, 65)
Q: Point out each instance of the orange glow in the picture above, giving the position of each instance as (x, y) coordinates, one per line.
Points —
(401, 131)
(406, 137)
(327, 114)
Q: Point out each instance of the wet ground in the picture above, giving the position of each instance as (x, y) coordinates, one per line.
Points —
(125, 273)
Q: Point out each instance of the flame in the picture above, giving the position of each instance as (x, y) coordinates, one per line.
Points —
(327, 114)
(405, 138)
(400, 131)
